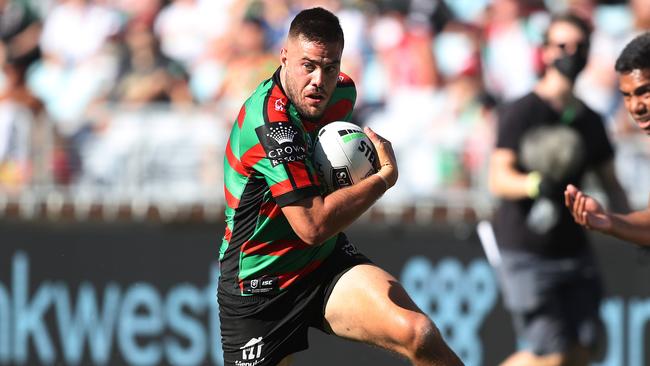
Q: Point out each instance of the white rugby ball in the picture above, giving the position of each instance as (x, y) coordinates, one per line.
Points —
(343, 155)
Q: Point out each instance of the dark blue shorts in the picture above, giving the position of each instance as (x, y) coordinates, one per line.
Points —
(554, 303)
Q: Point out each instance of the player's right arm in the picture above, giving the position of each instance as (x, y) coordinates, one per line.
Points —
(315, 219)
(588, 212)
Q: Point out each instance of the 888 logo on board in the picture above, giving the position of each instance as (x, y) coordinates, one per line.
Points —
(456, 298)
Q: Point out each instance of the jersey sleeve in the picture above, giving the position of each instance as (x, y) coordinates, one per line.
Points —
(347, 94)
(342, 104)
(279, 152)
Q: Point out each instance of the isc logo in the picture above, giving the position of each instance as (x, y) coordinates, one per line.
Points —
(341, 177)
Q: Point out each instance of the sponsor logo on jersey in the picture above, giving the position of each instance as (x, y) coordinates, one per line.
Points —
(260, 285)
(251, 353)
(283, 142)
(282, 134)
(349, 249)
(280, 105)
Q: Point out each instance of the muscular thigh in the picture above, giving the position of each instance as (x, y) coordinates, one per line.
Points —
(369, 305)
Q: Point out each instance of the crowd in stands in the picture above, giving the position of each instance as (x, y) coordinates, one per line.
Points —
(79, 77)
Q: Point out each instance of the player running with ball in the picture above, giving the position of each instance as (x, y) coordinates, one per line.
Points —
(285, 265)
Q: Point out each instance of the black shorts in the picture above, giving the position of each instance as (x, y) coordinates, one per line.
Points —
(261, 330)
(554, 302)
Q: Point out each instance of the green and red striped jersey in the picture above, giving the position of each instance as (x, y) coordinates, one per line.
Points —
(268, 165)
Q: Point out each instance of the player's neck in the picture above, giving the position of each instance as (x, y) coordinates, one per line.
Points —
(283, 79)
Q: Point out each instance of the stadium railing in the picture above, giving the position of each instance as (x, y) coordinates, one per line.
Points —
(159, 163)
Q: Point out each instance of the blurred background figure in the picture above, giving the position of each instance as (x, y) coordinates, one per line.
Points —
(249, 63)
(185, 27)
(18, 110)
(510, 58)
(143, 75)
(547, 139)
(427, 72)
(20, 30)
(464, 110)
(77, 65)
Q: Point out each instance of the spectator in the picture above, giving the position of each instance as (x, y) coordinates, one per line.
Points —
(76, 30)
(509, 58)
(18, 109)
(403, 79)
(20, 30)
(249, 65)
(596, 85)
(404, 52)
(76, 67)
(145, 75)
(185, 27)
(276, 14)
(465, 113)
(549, 278)
(141, 11)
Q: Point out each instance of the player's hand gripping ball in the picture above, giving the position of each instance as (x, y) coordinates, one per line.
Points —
(343, 155)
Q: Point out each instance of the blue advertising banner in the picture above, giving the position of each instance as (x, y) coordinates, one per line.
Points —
(144, 294)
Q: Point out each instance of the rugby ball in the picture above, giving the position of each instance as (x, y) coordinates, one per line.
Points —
(343, 155)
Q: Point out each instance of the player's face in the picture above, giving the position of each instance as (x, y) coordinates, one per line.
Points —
(311, 72)
(635, 87)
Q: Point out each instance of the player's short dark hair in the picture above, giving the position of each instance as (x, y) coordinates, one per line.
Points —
(572, 19)
(317, 25)
(636, 55)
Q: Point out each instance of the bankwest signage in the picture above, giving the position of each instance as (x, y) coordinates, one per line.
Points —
(145, 294)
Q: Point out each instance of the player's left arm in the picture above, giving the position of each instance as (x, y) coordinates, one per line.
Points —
(315, 219)
(633, 227)
(606, 174)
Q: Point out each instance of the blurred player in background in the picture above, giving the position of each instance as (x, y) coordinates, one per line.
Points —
(285, 265)
(633, 67)
(546, 140)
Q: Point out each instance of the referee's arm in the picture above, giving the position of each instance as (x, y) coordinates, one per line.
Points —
(504, 180)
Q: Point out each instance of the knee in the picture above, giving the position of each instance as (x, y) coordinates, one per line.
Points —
(422, 339)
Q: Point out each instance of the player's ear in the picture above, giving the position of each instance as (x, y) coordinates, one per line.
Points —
(283, 57)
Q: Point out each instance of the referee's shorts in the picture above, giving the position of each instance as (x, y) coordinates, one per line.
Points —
(554, 302)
